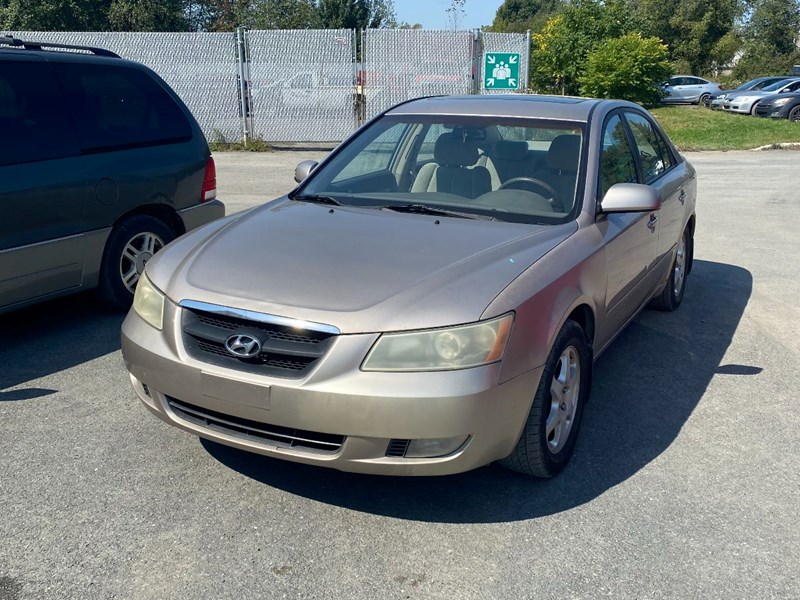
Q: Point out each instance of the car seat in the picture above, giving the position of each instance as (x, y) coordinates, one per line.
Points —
(454, 170)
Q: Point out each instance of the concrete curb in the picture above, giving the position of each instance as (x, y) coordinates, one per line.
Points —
(782, 146)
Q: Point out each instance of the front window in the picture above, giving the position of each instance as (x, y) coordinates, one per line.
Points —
(507, 169)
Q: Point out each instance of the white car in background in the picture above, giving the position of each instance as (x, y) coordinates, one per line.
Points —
(688, 89)
(746, 102)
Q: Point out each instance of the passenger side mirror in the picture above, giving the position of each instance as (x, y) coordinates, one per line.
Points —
(630, 197)
(303, 170)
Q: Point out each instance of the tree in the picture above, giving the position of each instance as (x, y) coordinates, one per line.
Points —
(629, 67)
(770, 38)
(285, 14)
(521, 15)
(54, 15)
(147, 15)
(356, 14)
(455, 13)
(559, 51)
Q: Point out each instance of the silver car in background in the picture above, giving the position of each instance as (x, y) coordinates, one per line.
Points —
(717, 101)
(433, 295)
(688, 89)
(746, 102)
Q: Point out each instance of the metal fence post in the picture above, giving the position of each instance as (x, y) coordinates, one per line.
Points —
(477, 61)
(241, 59)
(528, 61)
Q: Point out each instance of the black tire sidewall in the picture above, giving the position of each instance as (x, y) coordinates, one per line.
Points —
(570, 335)
(112, 289)
(795, 111)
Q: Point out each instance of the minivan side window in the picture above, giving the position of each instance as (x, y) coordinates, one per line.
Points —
(120, 107)
(34, 124)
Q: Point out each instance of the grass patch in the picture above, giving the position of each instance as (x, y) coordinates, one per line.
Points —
(699, 128)
(253, 145)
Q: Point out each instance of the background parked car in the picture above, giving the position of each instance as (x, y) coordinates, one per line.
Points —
(688, 89)
(101, 166)
(759, 83)
(746, 102)
(780, 106)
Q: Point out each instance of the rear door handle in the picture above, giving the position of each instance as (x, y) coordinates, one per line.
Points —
(652, 222)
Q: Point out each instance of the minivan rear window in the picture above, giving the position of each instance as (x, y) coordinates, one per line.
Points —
(121, 107)
(34, 125)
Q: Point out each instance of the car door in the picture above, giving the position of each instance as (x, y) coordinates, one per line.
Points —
(660, 169)
(630, 239)
(693, 87)
(42, 185)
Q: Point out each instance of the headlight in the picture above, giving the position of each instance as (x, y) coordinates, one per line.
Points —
(781, 101)
(148, 302)
(447, 349)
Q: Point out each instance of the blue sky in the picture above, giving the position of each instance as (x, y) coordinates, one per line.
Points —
(432, 13)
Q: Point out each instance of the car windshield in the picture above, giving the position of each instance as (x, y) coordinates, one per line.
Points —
(517, 170)
(777, 85)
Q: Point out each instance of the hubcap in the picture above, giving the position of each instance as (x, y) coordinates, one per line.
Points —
(564, 394)
(795, 116)
(680, 267)
(139, 249)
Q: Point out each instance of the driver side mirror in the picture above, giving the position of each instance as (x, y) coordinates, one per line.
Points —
(303, 170)
(630, 197)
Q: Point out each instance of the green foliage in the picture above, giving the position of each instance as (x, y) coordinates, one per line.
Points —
(771, 36)
(519, 16)
(285, 14)
(54, 15)
(559, 51)
(629, 67)
(147, 15)
(356, 14)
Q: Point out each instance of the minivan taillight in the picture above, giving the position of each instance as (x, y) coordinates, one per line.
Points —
(209, 181)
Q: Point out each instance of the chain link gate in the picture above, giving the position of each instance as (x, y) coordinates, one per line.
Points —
(302, 84)
(400, 64)
(200, 67)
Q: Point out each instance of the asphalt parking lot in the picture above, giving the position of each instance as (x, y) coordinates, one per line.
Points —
(685, 482)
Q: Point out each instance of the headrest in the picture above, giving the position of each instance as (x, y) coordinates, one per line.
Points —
(564, 153)
(510, 150)
(452, 152)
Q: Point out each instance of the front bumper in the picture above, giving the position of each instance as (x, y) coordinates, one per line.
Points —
(370, 411)
(200, 214)
(738, 107)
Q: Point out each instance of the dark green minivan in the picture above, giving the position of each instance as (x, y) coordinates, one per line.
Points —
(101, 165)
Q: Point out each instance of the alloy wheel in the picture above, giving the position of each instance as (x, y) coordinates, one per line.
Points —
(139, 249)
(564, 395)
(679, 275)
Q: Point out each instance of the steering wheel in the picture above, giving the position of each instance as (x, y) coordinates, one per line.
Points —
(550, 193)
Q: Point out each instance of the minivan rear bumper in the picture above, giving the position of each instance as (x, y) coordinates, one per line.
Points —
(200, 214)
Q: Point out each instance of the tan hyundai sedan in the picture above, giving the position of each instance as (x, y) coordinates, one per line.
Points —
(430, 298)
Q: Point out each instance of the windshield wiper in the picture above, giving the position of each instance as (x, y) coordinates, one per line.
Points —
(424, 209)
(318, 199)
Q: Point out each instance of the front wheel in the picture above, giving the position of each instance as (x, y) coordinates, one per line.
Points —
(704, 99)
(672, 296)
(548, 437)
(753, 109)
(131, 244)
(794, 114)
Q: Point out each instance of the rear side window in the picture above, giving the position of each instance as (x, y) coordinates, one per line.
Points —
(119, 107)
(34, 125)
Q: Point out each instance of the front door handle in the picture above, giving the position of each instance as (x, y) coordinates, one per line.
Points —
(652, 222)
(682, 196)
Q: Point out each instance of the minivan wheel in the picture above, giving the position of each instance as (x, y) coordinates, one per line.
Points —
(131, 244)
(548, 437)
(794, 114)
(672, 295)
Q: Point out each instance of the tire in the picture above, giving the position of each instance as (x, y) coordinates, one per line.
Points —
(671, 296)
(794, 114)
(703, 99)
(545, 446)
(130, 245)
(753, 109)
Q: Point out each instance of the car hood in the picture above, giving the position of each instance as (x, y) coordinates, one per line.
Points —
(750, 94)
(361, 270)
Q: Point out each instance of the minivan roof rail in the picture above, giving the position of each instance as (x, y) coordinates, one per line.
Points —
(9, 40)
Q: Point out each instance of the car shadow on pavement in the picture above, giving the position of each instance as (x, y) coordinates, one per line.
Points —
(645, 388)
(51, 337)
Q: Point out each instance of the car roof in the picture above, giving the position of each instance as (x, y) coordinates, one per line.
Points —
(560, 108)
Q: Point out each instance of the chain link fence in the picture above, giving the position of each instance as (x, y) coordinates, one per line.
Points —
(507, 43)
(200, 67)
(400, 64)
(302, 84)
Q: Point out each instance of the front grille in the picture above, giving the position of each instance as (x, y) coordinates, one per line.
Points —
(286, 351)
(254, 431)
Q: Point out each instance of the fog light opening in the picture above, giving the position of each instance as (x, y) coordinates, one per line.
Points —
(436, 447)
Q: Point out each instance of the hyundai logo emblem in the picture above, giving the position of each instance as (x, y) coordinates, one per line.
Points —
(243, 346)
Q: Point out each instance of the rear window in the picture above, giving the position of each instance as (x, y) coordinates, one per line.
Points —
(33, 123)
(119, 107)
